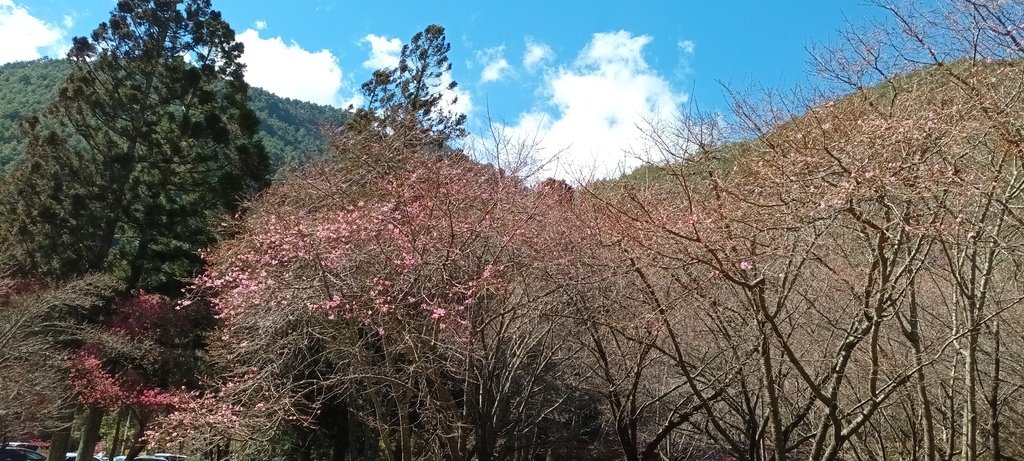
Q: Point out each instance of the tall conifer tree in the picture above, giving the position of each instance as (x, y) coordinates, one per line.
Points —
(162, 143)
(420, 90)
(148, 145)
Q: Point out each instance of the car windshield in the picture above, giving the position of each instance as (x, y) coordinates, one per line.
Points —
(32, 455)
(12, 454)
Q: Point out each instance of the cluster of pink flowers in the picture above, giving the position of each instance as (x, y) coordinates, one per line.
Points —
(94, 386)
(140, 314)
(412, 252)
(193, 421)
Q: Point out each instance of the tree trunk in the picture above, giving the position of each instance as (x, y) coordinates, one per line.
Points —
(970, 423)
(138, 444)
(340, 434)
(119, 432)
(404, 426)
(90, 433)
(383, 432)
(774, 414)
(913, 335)
(993, 397)
(62, 436)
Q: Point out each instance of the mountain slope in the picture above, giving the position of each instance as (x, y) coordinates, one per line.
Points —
(291, 129)
(25, 89)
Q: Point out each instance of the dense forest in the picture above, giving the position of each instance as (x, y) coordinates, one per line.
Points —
(292, 130)
(826, 275)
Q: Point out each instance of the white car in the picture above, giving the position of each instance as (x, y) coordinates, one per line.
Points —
(141, 458)
(73, 456)
(171, 457)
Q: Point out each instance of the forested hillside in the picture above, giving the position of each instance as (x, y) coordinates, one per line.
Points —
(290, 129)
(25, 88)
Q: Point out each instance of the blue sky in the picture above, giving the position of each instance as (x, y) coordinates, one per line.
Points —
(577, 76)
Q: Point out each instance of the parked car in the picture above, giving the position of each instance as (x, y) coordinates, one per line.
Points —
(29, 446)
(30, 454)
(156, 457)
(13, 454)
(38, 447)
(171, 457)
(149, 458)
(20, 454)
(72, 456)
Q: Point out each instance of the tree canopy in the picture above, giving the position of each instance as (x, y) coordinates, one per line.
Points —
(163, 142)
(417, 91)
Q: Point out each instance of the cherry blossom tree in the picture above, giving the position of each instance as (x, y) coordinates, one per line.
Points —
(388, 305)
(36, 319)
(866, 241)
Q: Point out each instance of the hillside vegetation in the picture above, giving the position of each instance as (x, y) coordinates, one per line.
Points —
(292, 130)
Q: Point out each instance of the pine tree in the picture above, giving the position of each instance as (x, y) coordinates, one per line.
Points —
(162, 143)
(148, 145)
(415, 92)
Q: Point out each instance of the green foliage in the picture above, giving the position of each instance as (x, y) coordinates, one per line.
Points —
(163, 142)
(291, 130)
(51, 195)
(25, 88)
(414, 92)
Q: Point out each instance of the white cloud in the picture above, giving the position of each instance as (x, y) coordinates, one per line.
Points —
(288, 70)
(67, 21)
(24, 35)
(354, 101)
(384, 52)
(686, 50)
(495, 65)
(456, 100)
(598, 102)
(536, 54)
(687, 46)
(260, 24)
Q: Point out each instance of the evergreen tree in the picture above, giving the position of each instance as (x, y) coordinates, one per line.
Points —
(164, 143)
(415, 91)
